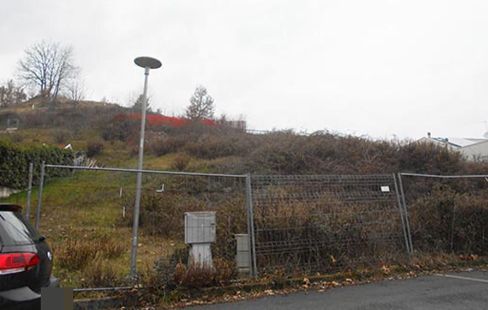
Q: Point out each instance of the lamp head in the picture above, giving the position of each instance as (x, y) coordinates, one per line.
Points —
(147, 62)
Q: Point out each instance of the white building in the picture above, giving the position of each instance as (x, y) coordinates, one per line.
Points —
(471, 148)
(476, 151)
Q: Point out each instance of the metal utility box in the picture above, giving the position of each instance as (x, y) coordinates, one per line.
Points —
(199, 227)
(243, 255)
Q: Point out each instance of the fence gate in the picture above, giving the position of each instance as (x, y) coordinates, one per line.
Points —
(326, 222)
(92, 211)
(447, 213)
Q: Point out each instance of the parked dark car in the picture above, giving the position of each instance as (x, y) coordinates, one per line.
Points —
(25, 261)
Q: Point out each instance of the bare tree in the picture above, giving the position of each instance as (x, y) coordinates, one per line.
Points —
(11, 94)
(201, 105)
(75, 90)
(47, 66)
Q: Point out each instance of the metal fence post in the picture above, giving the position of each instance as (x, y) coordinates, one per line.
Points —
(29, 191)
(407, 222)
(400, 208)
(39, 195)
(250, 226)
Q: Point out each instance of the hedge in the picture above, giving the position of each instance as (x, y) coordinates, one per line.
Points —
(14, 163)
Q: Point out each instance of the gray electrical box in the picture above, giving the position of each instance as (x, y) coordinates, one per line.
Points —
(199, 227)
(243, 255)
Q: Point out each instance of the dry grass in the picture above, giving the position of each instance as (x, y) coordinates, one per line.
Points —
(449, 221)
(82, 214)
(75, 254)
(101, 273)
(181, 162)
(198, 276)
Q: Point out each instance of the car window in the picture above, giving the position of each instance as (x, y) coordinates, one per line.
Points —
(14, 230)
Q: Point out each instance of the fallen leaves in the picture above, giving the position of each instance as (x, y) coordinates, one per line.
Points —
(269, 292)
(385, 269)
(281, 284)
(469, 257)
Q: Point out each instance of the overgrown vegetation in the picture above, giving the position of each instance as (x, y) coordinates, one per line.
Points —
(187, 195)
(84, 211)
(75, 254)
(15, 159)
(285, 152)
(444, 219)
(11, 94)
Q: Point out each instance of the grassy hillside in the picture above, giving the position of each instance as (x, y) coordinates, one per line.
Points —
(82, 220)
(83, 213)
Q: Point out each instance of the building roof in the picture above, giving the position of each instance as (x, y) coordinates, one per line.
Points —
(462, 142)
(454, 142)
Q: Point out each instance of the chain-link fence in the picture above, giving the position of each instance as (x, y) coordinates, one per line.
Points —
(447, 214)
(322, 223)
(293, 224)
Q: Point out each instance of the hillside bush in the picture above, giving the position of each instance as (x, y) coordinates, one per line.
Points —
(180, 162)
(160, 145)
(450, 220)
(62, 136)
(100, 273)
(74, 254)
(121, 130)
(210, 146)
(69, 116)
(14, 163)
(285, 152)
(326, 153)
(163, 214)
(94, 148)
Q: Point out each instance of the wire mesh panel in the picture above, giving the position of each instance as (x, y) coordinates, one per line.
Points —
(447, 213)
(166, 199)
(88, 216)
(322, 223)
(82, 216)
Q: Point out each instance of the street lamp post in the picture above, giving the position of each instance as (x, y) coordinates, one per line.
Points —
(147, 63)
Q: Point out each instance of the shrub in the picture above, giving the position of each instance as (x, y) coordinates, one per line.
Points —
(94, 148)
(198, 275)
(14, 162)
(62, 136)
(17, 138)
(74, 254)
(70, 117)
(170, 207)
(100, 273)
(322, 153)
(216, 145)
(162, 145)
(195, 276)
(117, 129)
(225, 271)
(451, 221)
(165, 269)
(157, 209)
(180, 162)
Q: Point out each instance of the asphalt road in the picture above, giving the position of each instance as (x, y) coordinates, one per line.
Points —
(467, 290)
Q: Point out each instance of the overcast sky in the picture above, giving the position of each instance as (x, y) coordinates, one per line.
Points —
(376, 67)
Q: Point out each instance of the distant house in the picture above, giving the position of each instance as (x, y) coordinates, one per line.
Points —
(471, 148)
(476, 151)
